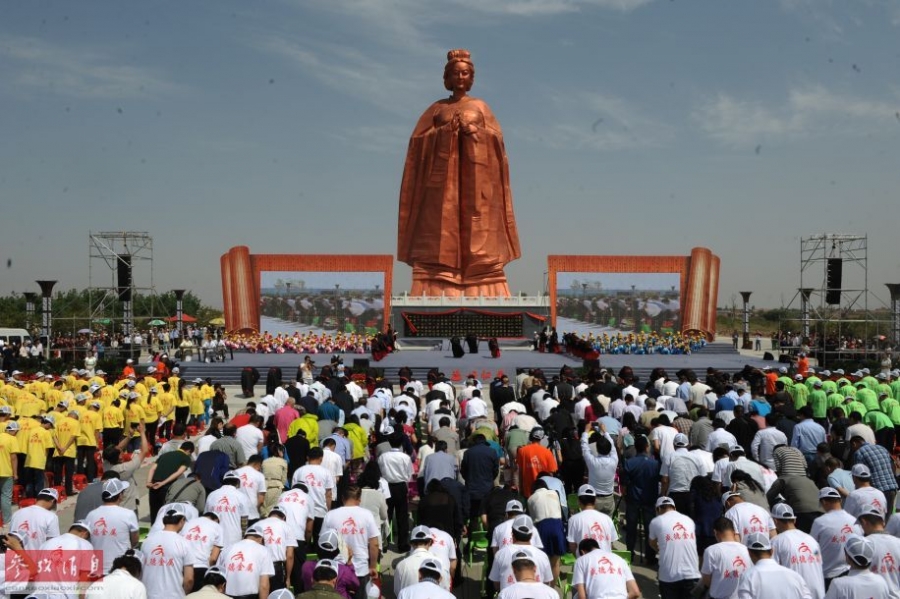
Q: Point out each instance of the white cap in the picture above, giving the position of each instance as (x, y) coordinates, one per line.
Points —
(523, 524)
(322, 563)
(329, 540)
(782, 511)
(758, 541)
(860, 550)
(420, 533)
(829, 493)
(861, 471)
(664, 501)
(48, 493)
(113, 487)
(681, 440)
(514, 506)
(586, 491)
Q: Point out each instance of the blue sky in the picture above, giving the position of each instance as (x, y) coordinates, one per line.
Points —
(632, 127)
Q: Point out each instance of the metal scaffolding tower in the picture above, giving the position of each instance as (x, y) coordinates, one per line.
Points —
(834, 293)
(120, 268)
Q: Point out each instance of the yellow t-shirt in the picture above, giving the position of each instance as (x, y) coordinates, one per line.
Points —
(90, 423)
(207, 392)
(196, 402)
(134, 414)
(8, 446)
(67, 429)
(166, 403)
(151, 408)
(112, 417)
(30, 406)
(150, 382)
(38, 442)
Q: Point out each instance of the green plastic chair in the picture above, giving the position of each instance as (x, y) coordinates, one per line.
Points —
(568, 559)
(478, 541)
(312, 557)
(572, 502)
(624, 554)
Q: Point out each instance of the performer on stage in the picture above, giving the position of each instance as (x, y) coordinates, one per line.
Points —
(456, 346)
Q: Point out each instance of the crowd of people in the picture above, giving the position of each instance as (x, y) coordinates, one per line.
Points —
(633, 344)
(313, 342)
(758, 483)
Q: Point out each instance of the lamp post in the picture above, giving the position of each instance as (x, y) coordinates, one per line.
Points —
(745, 295)
(287, 307)
(46, 313)
(179, 310)
(337, 300)
(30, 296)
(634, 308)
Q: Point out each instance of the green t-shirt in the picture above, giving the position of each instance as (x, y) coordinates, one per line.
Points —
(169, 463)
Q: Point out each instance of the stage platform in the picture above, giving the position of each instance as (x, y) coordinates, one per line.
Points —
(716, 355)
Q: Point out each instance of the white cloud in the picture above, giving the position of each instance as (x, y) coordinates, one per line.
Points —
(807, 111)
(49, 68)
(356, 74)
(598, 122)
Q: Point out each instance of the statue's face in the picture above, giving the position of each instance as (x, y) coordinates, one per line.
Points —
(460, 77)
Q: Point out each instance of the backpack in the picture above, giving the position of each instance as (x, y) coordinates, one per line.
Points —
(212, 465)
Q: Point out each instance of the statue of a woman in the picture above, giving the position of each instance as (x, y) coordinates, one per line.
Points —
(457, 229)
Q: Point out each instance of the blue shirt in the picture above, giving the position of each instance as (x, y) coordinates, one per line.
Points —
(343, 448)
(613, 426)
(841, 478)
(807, 435)
(642, 479)
(760, 407)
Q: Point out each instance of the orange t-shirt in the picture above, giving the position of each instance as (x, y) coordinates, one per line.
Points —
(532, 459)
(771, 379)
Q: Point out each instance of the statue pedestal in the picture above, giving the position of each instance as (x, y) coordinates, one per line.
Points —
(422, 317)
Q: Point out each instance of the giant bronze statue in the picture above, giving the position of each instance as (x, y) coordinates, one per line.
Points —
(457, 229)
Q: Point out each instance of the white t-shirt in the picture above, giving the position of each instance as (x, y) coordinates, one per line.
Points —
(333, 462)
(119, 584)
(202, 534)
(768, 579)
(749, 518)
(797, 551)
(204, 442)
(243, 563)
(425, 590)
(591, 524)
(666, 437)
(502, 571)
(503, 536)
(229, 504)
(604, 575)
(719, 469)
(295, 504)
(858, 583)
(35, 524)
(278, 536)
(724, 563)
(165, 556)
(249, 437)
(862, 498)
(318, 480)
(191, 513)
(111, 527)
(253, 482)
(407, 572)
(443, 546)
(356, 525)
(528, 590)
(885, 561)
(544, 504)
(677, 540)
(86, 563)
(831, 530)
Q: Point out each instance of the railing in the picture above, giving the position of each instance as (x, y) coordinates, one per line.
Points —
(531, 301)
